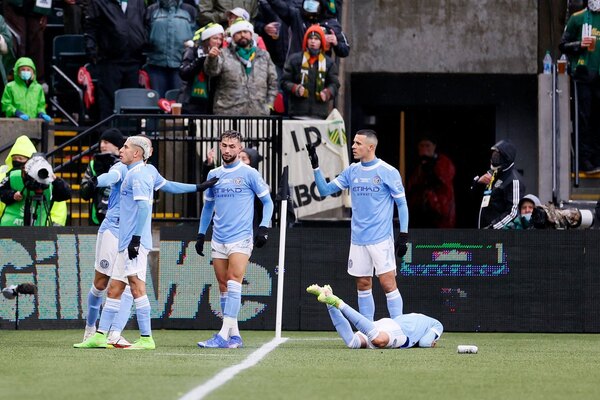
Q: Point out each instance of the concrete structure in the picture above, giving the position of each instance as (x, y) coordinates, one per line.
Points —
(465, 71)
(443, 36)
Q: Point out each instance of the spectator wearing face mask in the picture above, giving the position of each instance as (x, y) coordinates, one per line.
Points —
(24, 96)
(502, 188)
(526, 206)
(311, 77)
(300, 17)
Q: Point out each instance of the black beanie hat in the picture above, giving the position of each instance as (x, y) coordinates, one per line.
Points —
(255, 158)
(114, 136)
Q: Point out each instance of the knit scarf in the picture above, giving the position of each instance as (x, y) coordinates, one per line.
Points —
(246, 56)
(321, 70)
(200, 86)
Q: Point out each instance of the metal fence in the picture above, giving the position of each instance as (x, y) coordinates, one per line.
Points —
(181, 143)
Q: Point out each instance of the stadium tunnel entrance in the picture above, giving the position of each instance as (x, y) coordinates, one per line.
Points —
(467, 114)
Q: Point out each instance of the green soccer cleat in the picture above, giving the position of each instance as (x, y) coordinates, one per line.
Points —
(143, 343)
(328, 297)
(97, 341)
(314, 289)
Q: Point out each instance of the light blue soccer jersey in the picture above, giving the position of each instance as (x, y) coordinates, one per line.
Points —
(234, 195)
(416, 325)
(157, 178)
(111, 221)
(372, 189)
(137, 185)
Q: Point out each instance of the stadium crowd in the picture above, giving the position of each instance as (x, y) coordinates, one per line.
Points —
(226, 57)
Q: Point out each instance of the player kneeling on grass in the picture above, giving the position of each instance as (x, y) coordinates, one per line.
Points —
(402, 332)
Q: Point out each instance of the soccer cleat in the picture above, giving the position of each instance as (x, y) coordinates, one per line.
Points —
(215, 342)
(235, 342)
(314, 289)
(89, 332)
(328, 297)
(143, 343)
(117, 341)
(97, 341)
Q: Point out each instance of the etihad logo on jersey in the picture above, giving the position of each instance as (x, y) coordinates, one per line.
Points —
(227, 190)
(376, 180)
(371, 185)
(236, 181)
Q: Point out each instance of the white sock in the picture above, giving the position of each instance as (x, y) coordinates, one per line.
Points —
(228, 324)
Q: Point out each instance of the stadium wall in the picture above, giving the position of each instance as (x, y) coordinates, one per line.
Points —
(510, 281)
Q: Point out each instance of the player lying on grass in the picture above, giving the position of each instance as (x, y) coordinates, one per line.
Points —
(402, 332)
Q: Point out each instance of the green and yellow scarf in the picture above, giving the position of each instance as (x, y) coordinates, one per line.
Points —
(321, 71)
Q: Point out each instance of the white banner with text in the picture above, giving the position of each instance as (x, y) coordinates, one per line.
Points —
(332, 148)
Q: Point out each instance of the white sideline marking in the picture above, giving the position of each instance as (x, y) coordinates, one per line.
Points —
(228, 373)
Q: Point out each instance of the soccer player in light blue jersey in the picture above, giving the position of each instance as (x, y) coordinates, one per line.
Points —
(232, 201)
(107, 248)
(402, 332)
(375, 187)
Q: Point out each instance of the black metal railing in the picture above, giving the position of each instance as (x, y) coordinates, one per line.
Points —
(181, 143)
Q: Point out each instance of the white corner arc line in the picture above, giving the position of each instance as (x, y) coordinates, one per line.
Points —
(228, 373)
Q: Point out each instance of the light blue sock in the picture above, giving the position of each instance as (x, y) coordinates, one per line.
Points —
(223, 299)
(142, 311)
(234, 299)
(341, 324)
(109, 312)
(94, 300)
(394, 303)
(124, 312)
(361, 323)
(366, 303)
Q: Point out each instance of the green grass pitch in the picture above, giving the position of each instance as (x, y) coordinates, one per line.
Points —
(309, 365)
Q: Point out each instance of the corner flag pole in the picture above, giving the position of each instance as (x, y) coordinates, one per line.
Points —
(283, 196)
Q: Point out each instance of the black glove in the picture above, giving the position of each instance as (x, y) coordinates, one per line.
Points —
(93, 182)
(261, 236)
(201, 187)
(134, 247)
(200, 244)
(539, 218)
(103, 162)
(312, 155)
(400, 244)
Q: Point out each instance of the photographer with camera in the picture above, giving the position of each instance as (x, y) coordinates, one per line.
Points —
(524, 220)
(30, 192)
(111, 141)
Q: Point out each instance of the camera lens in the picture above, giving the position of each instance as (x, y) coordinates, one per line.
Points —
(43, 173)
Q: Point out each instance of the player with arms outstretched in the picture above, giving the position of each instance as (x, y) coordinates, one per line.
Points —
(375, 187)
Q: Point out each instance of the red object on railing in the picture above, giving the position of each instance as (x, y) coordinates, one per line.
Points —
(165, 105)
(84, 78)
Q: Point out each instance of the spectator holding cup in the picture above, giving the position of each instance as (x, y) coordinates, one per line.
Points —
(579, 43)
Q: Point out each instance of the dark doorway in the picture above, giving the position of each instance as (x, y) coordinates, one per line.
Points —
(467, 112)
(464, 133)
